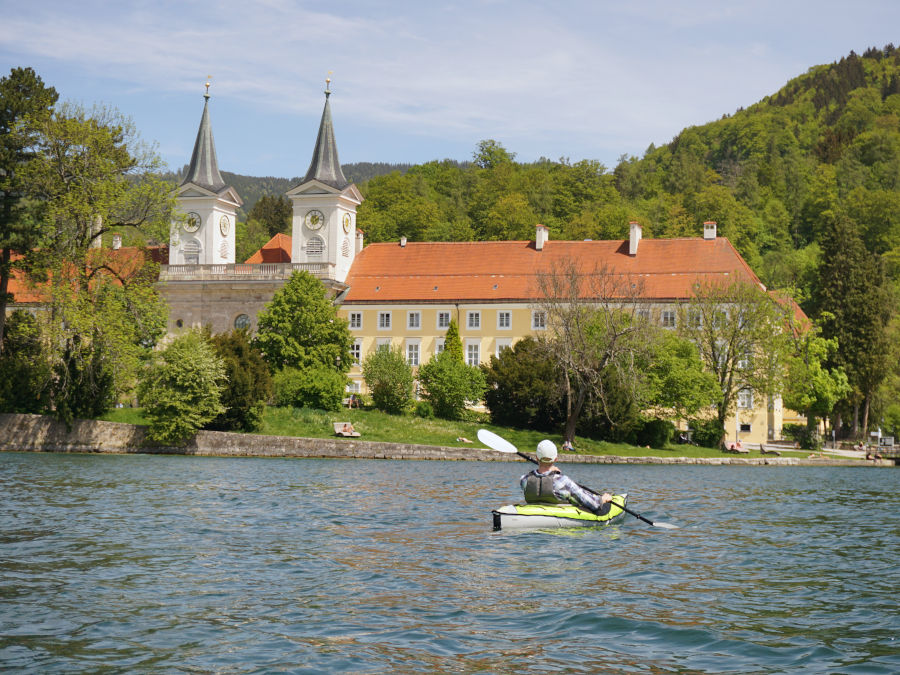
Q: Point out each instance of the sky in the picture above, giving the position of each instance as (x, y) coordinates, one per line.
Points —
(425, 80)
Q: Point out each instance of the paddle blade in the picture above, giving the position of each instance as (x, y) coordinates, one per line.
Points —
(666, 526)
(495, 442)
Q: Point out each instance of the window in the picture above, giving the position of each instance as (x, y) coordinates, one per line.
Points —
(667, 318)
(345, 248)
(355, 320)
(412, 353)
(354, 387)
(538, 320)
(191, 252)
(315, 247)
(503, 343)
(473, 353)
(745, 398)
(504, 320)
(473, 320)
(242, 321)
(383, 343)
(414, 320)
(443, 320)
(744, 362)
(384, 320)
(356, 351)
(746, 428)
(643, 315)
(695, 319)
(439, 346)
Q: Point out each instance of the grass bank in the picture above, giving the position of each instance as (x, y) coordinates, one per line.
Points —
(374, 425)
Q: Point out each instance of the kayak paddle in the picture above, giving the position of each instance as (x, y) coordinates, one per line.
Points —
(500, 444)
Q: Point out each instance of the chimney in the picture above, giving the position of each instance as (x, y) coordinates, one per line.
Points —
(403, 242)
(116, 242)
(359, 240)
(541, 235)
(634, 237)
(709, 229)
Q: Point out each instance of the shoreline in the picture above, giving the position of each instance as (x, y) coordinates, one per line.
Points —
(39, 433)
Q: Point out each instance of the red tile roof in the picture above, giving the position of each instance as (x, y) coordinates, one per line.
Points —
(276, 250)
(507, 270)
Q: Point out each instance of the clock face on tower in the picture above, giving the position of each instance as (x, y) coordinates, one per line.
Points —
(192, 222)
(224, 225)
(315, 219)
(345, 221)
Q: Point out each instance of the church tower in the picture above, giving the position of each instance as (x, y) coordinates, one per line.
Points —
(324, 222)
(205, 235)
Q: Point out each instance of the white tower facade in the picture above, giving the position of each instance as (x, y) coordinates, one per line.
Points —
(324, 203)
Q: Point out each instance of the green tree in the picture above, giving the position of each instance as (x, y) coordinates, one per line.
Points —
(449, 385)
(274, 212)
(249, 236)
(25, 374)
(389, 379)
(676, 380)
(181, 389)
(24, 101)
(522, 388)
(316, 386)
(741, 335)
(248, 383)
(300, 328)
(452, 342)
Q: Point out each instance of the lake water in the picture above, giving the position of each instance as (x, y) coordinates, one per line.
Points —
(206, 565)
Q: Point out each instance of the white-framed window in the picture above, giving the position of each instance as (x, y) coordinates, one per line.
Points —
(667, 318)
(354, 387)
(538, 319)
(412, 352)
(695, 319)
(504, 320)
(473, 353)
(356, 351)
(414, 320)
(439, 345)
(315, 246)
(443, 320)
(643, 315)
(382, 343)
(355, 319)
(384, 320)
(473, 320)
(503, 343)
(745, 398)
(744, 362)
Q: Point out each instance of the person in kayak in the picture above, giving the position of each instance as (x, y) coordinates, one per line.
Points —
(548, 484)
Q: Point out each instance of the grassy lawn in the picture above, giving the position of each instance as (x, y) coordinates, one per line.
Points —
(378, 426)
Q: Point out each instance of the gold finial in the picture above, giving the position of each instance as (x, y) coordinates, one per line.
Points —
(328, 84)
(208, 78)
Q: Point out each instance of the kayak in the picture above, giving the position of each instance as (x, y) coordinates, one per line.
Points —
(535, 516)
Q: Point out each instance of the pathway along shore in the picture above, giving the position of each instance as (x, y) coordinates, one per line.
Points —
(40, 433)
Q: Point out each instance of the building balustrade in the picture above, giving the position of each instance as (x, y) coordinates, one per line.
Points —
(243, 271)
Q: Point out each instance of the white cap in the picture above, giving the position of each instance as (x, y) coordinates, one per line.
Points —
(546, 450)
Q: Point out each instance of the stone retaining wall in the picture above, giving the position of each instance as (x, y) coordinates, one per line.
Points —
(39, 433)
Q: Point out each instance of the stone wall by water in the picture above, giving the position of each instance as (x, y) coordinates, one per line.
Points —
(40, 433)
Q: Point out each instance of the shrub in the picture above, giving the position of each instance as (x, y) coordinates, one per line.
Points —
(389, 379)
(449, 384)
(425, 410)
(249, 384)
(707, 433)
(314, 387)
(802, 435)
(655, 433)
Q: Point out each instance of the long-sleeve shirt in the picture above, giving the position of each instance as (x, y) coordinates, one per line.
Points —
(568, 490)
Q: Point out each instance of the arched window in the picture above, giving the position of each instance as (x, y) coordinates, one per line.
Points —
(242, 321)
(315, 247)
(191, 252)
(345, 249)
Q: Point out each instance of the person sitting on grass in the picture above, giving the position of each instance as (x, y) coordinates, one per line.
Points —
(547, 484)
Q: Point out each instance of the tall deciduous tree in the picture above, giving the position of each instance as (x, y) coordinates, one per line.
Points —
(300, 328)
(741, 335)
(449, 384)
(24, 101)
(389, 379)
(594, 336)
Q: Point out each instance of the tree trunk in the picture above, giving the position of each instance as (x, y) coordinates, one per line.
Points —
(865, 424)
(5, 273)
(856, 421)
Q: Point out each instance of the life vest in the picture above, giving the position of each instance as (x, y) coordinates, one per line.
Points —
(539, 489)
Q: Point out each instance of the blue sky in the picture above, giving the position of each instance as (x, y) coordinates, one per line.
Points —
(415, 81)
